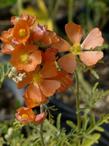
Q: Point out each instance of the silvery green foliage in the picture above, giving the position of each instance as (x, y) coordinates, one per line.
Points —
(4, 71)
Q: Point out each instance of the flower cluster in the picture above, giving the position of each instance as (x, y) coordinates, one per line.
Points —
(44, 61)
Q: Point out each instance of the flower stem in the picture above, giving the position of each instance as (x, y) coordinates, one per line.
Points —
(78, 105)
(41, 128)
(19, 7)
(77, 101)
(70, 10)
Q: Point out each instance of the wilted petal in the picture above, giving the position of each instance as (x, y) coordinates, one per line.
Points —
(74, 32)
(93, 40)
(90, 58)
(68, 63)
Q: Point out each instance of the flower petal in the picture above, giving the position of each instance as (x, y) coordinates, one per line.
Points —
(90, 58)
(62, 45)
(37, 32)
(68, 63)
(74, 32)
(33, 96)
(65, 79)
(34, 59)
(49, 87)
(49, 55)
(49, 70)
(7, 48)
(6, 36)
(93, 40)
(49, 38)
(40, 118)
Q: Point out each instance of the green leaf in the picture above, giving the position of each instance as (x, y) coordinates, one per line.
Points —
(92, 119)
(91, 140)
(100, 129)
(4, 70)
(58, 124)
(94, 73)
(71, 124)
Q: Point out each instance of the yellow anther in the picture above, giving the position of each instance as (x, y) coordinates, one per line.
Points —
(24, 116)
(76, 49)
(37, 78)
(24, 58)
(22, 32)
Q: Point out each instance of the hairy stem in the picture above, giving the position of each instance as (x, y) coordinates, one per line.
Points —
(77, 105)
(77, 101)
(41, 128)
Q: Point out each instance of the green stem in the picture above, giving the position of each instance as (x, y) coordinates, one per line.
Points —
(70, 10)
(77, 101)
(41, 128)
(19, 7)
(54, 13)
(78, 105)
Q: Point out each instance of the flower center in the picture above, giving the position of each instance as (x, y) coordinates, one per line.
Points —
(37, 78)
(24, 58)
(75, 49)
(22, 32)
(25, 116)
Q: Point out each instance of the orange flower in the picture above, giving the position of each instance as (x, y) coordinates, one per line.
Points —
(93, 40)
(25, 57)
(6, 38)
(41, 85)
(21, 32)
(25, 115)
(88, 57)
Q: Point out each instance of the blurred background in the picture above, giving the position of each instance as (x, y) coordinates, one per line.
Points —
(55, 14)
